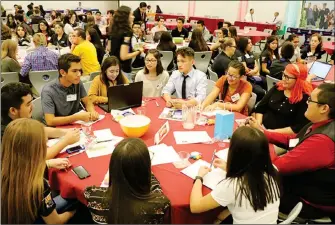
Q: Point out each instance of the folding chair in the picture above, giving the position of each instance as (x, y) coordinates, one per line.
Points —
(166, 58)
(39, 78)
(87, 85)
(270, 81)
(252, 102)
(38, 112)
(202, 60)
(210, 86)
(9, 77)
(94, 74)
(212, 75)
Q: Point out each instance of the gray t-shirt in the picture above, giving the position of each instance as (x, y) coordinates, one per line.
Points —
(152, 88)
(62, 101)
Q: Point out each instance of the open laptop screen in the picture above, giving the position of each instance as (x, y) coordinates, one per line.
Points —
(320, 69)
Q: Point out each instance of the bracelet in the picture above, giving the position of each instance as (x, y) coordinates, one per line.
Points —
(198, 177)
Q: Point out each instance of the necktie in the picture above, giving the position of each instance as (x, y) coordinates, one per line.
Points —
(183, 88)
(252, 19)
(142, 16)
(274, 19)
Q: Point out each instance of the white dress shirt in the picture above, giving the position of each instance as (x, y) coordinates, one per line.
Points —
(156, 29)
(277, 20)
(196, 85)
(250, 18)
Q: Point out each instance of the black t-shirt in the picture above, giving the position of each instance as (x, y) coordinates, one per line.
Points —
(100, 52)
(47, 205)
(184, 33)
(267, 58)
(23, 42)
(4, 123)
(306, 52)
(277, 67)
(116, 42)
(278, 112)
(248, 58)
(220, 64)
(63, 42)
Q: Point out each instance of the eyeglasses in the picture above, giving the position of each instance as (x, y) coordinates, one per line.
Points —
(150, 60)
(309, 100)
(232, 76)
(286, 77)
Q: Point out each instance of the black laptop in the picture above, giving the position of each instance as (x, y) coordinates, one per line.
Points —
(123, 96)
(320, 69)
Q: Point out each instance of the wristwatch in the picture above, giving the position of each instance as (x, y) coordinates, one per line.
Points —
(198, 177)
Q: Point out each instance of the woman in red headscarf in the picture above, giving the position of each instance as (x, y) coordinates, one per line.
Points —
(282, 109)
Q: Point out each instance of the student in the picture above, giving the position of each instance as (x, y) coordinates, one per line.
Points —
(166, 44)
(20, 21)
(67, 26)
(226, 24)
(250, 17)
(294, 39)
(93, 37)
(160, 26)
(45, 29)
(59, 38)
(308, 167)
(86, 51)
(220, 64)
(61, 97)
(11, 21)
(16, 101)
(205, 32)
(100, 21)
(153, 75)
(235, 91)
(57, 19)
(41, 59)
(36, 17)
(136, 42)
(22, 36)
(314, 49)
(269, 53)
(278, 66)
(111, 75)
(91, 23)
(9, 61)
(131, 197)
(6, 32)
(25, 195)
(120, 39)
(250, 190)
(73, 19)
(197, 43)
(180, 31)
(140, 14)
(232, 33)
(158, 9)
(283, 107)
(188, 83)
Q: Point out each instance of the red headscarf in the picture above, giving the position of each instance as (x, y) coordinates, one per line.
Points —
(301, 86)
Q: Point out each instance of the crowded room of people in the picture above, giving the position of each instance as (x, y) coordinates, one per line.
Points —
(138, 112)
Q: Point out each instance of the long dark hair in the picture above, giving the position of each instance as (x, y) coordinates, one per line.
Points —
(197, 42)
(319, 47)
(120, 21)
(108, 62)
(13, 24)
(267, 46)
(49, 31)
(242, 44)
(241, 70)
(233, 32)
(165, 42)
(25, 32)
(95, 38)
(157, 55)
(249, 162)
(290, 38)
(129, 180)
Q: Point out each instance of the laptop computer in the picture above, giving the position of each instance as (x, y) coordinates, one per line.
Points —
(123, 96)
(320, 69)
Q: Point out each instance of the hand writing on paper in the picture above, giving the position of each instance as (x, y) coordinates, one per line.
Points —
(94, 115)
(203, 170)
(211, 107)
(72, 136)
(220, 163)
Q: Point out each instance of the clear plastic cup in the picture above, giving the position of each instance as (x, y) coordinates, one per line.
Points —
(87, 129)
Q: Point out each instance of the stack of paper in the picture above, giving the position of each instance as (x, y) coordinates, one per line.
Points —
(211, 179)
(88, 123)
(223, 154)
(191, 137)
(171, 114)
(163, 154)
(119, 114)
(82, 141)
(103, 148)
(103, 135)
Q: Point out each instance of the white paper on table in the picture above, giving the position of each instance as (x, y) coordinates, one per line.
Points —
(191, 137)
(104, 148)
(103, 135)
(240, 122)
(163, 154)
(223, 154)
(88, 123)
(211, 179)
(81, 141)
(212, 113)
(105, 182)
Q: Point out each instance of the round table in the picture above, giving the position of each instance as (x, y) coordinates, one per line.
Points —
(168, 25)
(175, 185)
(329, 47)
(255, 35)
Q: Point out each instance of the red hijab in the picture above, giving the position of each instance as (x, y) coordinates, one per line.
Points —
(301, 86)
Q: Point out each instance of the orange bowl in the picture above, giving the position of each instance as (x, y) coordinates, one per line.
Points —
(135, 125)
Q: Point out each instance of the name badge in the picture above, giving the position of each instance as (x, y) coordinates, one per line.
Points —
(309, 54)
(293, 142)
(274, 57)
(159, 86)
(247, 56)
(235, 97)
(71, 98)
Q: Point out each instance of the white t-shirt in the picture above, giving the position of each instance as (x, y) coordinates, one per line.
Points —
(225, 193)
(152, 88)
(156, 29)
(296, 55)
(68, 29)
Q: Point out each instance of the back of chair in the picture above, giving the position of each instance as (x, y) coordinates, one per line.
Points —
(293, 214)
(212, 75)
(328, 38)
(35, 27)
(37, 112)
(271, 81)
(9, 77)
(171, 20)
(250, 28)
(210, 86)
(202, 60)
(252, 102)
(269, 31)
(166, 58)
(39, 78)
(87, 85)
(94, 74)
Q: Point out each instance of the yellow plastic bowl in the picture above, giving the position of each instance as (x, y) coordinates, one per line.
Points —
(135, 125)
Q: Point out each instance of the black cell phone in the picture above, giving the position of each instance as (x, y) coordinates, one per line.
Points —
(75, 149)
(81, 172)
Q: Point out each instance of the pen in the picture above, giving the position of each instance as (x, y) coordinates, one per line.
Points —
(157, 104)
(82, 106)
(213, 158)
(102, 141)
(74, 154)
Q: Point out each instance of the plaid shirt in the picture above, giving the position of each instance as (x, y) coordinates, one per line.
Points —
(40, 59)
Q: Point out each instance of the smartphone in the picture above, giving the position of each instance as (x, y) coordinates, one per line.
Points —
(81, 172)
(75, 149)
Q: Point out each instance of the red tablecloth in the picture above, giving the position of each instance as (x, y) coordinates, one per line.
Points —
(329, 77)
(260, 26)
(176, 186)
(168, 16)
(169, 25)
(210, 23)
(255, 35)
(329, 47)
